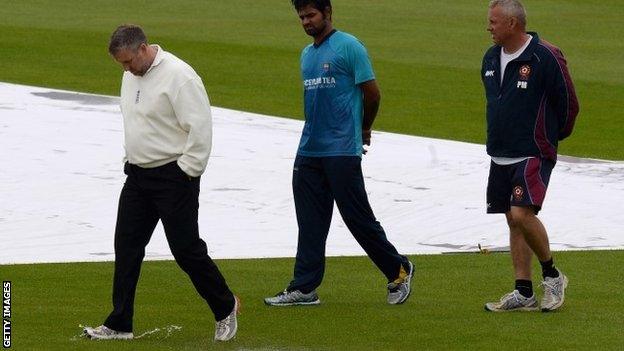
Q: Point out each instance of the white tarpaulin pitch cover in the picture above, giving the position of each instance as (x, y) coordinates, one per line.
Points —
(61, 174)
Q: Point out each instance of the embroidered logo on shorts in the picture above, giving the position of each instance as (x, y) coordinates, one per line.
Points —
(518, 193)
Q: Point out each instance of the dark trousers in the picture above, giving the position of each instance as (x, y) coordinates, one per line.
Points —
(168, 194)
(317, 183)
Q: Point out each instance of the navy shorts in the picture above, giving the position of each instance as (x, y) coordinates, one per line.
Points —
(519, 184)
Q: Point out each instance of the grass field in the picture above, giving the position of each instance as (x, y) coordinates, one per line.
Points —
(445, 311)
(427, 56)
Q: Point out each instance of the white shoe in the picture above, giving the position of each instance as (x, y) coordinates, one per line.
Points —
(400, 289)
(514, 301)
(554, 292)
(291, 298)
(226, 328)
(105, 333)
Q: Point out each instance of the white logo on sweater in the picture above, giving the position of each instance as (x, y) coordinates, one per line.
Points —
(489, 73)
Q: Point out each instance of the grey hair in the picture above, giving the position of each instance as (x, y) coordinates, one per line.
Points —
(126, 36)
(511, 8)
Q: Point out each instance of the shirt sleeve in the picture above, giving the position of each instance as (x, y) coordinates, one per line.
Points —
(563, 95)
(125, 155)
(192, 109)
(358, 60)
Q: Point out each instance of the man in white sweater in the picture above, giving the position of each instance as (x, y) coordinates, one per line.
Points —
(168, 136)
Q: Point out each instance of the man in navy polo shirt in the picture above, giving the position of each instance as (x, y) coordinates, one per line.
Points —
(531, 106)
(341, 99)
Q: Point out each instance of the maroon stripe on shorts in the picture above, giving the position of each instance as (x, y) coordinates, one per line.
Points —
(533, 178)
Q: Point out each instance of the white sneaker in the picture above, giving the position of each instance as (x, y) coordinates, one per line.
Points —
(226, 328)
(295, 297)
(400, 289)
(105, 333)
(554, 292)
(514, 301)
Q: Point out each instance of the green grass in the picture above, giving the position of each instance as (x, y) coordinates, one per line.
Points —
(445, 311)
(426, 55)
(427, 58)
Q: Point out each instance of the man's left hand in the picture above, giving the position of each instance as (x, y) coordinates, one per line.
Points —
(366, 137)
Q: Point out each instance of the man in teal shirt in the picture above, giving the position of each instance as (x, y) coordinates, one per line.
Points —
(341, 99)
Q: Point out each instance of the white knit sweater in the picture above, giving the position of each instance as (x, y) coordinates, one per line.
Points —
(167, 116)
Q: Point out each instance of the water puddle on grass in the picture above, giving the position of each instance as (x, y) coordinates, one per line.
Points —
(158, 333)
(79, 336)
(167, 331)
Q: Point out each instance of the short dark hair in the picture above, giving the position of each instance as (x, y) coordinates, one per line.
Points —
(126, 36)
(511, 8)
(318, 4)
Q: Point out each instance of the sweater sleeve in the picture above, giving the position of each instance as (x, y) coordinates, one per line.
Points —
(192, 109)
(563, 95)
